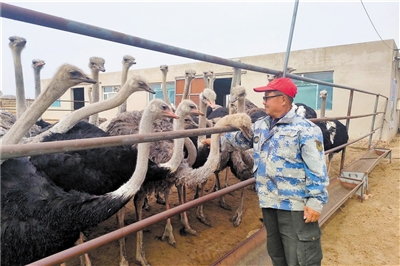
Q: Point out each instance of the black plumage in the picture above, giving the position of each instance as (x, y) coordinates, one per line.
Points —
(39, 218)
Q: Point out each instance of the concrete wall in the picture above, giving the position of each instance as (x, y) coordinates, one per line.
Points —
(364, 66)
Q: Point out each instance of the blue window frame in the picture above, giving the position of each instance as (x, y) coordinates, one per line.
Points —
(159, 94)
(308, 93)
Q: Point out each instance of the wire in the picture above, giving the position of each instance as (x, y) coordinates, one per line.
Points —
(374, 25)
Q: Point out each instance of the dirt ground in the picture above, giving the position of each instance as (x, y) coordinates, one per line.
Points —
(359, 233)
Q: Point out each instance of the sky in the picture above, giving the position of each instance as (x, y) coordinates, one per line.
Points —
(226, 29)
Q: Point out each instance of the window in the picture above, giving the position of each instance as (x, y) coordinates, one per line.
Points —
(109, 92)
(159, 94)
(308, 93)
(57, 103)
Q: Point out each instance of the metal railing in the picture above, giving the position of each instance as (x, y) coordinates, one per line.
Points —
(12, 151)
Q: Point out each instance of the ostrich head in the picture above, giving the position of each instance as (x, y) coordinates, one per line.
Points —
(237, 93)
(138, 83)
(208, 73)
(189, 123)
(128, 61)
(164, 68)
(190, 73)
(17, 43)
(271, 77)
(69, 76)
(188, 107)
(241, 120)
(37, 63)
(97, 63)
(161, 109)
(208, 97)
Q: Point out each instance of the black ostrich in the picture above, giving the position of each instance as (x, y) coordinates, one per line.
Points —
(40, 218)
(334, 133)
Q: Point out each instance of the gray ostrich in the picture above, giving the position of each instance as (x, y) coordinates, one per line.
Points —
(37, 65)
(190, 74)
(96, 64)
(17, 44)
(127, 62)
(66, 77)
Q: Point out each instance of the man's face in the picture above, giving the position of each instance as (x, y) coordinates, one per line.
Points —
(273, 103)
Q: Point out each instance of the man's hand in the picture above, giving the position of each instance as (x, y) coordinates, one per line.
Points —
(310, 215)
(206, 142)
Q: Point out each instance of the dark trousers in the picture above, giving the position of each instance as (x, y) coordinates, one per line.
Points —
(291, 241)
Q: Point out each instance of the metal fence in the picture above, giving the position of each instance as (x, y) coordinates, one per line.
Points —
(12, 151)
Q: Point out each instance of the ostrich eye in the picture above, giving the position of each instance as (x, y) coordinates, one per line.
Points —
(74, 73)
(164, 107)
(242, 94)
(192, 107)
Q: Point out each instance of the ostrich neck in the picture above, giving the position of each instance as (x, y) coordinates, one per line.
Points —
(124, 77)
(130, 188)
(164, 88)
(241, 105)
(93, 119)
(192, 151)
(67, 122)
(27, 119)
(202, 122)
(177, 154)
(36, 72)
(201, 174)
(236, 77)
(186, 88)
(19, 82)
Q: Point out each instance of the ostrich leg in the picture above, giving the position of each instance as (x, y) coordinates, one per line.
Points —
(168, 231)
(122, 248)
(140, 254)
(237, 218)
(184, 220)
(199, 212)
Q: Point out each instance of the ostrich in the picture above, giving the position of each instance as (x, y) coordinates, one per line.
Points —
(135, 83)
(67, 76)
(127, 62)
(190, 74)
(17, 44)
(37, 65)
(39, 218)
(175, 156)
(334, 133)
(96, 64)
(164, 70)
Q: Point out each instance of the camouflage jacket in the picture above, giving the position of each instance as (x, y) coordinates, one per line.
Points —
(289, 162)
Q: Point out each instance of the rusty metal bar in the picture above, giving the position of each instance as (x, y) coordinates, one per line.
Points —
(373, 120)
(31, 149)
(46, 20)
(18, 150)
(117, 234)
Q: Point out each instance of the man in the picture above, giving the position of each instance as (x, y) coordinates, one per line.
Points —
(291, 176)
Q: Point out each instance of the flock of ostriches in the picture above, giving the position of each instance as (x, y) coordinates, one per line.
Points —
(48, 201)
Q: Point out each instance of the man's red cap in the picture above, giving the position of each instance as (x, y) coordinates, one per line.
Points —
(284, 85)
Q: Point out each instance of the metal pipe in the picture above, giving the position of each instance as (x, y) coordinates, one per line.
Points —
(289, 44)
(46, 20)
(32, 149)
(373, 120)
(117, 234)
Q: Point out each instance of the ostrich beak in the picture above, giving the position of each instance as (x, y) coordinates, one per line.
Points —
(148, 89)
(170, 114)
(88, 80)
(245, 130)
(211, 104)
(233, 99)
(196, 112)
